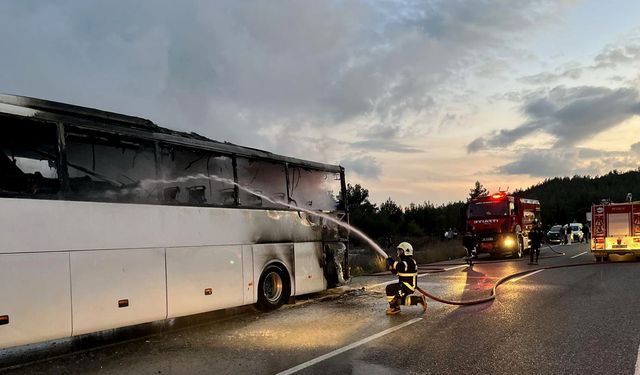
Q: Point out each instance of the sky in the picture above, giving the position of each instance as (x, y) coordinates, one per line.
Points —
(417, 99)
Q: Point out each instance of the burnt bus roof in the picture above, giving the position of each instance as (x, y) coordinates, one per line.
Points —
(137, 126)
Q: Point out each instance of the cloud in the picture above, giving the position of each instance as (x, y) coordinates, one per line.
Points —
(617, 55)
(635, 148)
(570, 161)
(365, 166)
(623, 54)
(382, 145)
(382, 138)
(541, 163)
(229, 70)
(546, 78)
(570, 115)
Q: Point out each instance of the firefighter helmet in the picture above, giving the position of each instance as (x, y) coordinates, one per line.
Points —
(406, 248)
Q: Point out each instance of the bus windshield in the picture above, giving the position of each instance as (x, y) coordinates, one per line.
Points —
(488, 209)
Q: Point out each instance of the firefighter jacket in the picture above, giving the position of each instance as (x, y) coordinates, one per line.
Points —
(407, 270)
(535, 236)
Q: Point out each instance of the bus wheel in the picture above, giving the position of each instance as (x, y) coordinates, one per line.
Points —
(273, 288)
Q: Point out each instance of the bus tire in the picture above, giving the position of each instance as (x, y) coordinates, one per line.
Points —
(274, 288)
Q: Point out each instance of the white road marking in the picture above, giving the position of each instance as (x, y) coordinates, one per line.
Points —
(638, 363)
(577, 255)
(380, 284)
(527, 275)
(453, 268)
(347, 348)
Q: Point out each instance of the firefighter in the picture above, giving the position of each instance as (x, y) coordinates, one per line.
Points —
(535, 237)
(470, 243)
(407, 270)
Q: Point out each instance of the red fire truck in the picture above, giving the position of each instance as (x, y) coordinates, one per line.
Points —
(501, 223)
(616, 229)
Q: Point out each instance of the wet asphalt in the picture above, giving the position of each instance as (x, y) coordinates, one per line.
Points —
(575, 320)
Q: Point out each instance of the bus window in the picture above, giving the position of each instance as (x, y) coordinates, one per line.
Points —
(265, 178)
(184, 175)
(28, 158)
(312, 189)
(104, 166)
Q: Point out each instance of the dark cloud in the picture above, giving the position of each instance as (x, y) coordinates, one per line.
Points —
(547, 78)
(541, 163)
(569, 162)
(384, 145)
(382, 138)
(365, 166)
(614, 56)
(570, 115)
(230, 69)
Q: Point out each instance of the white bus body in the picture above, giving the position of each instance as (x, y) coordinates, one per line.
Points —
(70, 267)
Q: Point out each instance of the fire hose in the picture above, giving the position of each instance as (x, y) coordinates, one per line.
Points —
(492, 295)
(504, 279)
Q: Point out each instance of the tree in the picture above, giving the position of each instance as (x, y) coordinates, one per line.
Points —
(478, 191)
(358, 198)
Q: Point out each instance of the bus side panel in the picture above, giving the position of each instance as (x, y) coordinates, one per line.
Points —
(201, 279)
(117, 288)
(35, 298)
(309, 268)
(247, 275)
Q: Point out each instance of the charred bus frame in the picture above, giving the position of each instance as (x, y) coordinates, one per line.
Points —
(107, 247)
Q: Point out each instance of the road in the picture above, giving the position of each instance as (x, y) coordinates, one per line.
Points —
(568, 320)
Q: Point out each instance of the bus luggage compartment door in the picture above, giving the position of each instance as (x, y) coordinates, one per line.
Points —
(204, 278)
(117, 288)
(35, 298)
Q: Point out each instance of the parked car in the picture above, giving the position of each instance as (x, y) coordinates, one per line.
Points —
(576, 232)
(553, 235)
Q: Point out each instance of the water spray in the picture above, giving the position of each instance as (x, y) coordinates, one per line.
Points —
(361, 235)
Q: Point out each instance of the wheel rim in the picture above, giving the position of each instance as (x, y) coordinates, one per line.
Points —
(273, 287)
(520, 246)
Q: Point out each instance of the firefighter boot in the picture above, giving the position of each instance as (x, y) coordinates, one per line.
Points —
(394, 307)
(393, 310)
(423, 302)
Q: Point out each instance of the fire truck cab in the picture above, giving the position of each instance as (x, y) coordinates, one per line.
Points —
(501, 223)
(615, 229)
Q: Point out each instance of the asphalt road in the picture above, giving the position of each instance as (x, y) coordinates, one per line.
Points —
(578, 320)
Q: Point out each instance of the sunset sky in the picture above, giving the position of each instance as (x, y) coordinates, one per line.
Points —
(416, 99)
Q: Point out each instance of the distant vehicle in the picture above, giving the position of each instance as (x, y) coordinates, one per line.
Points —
(615, 229)
(554, 235)
(577, 235)
(502, 223)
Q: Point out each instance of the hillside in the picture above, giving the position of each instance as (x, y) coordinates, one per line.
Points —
(567, 199)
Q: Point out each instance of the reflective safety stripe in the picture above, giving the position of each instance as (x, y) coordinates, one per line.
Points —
(409, 286)
(395, 264)
(407, 301)
(406, 266)
(390, 298)
(413, 274)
